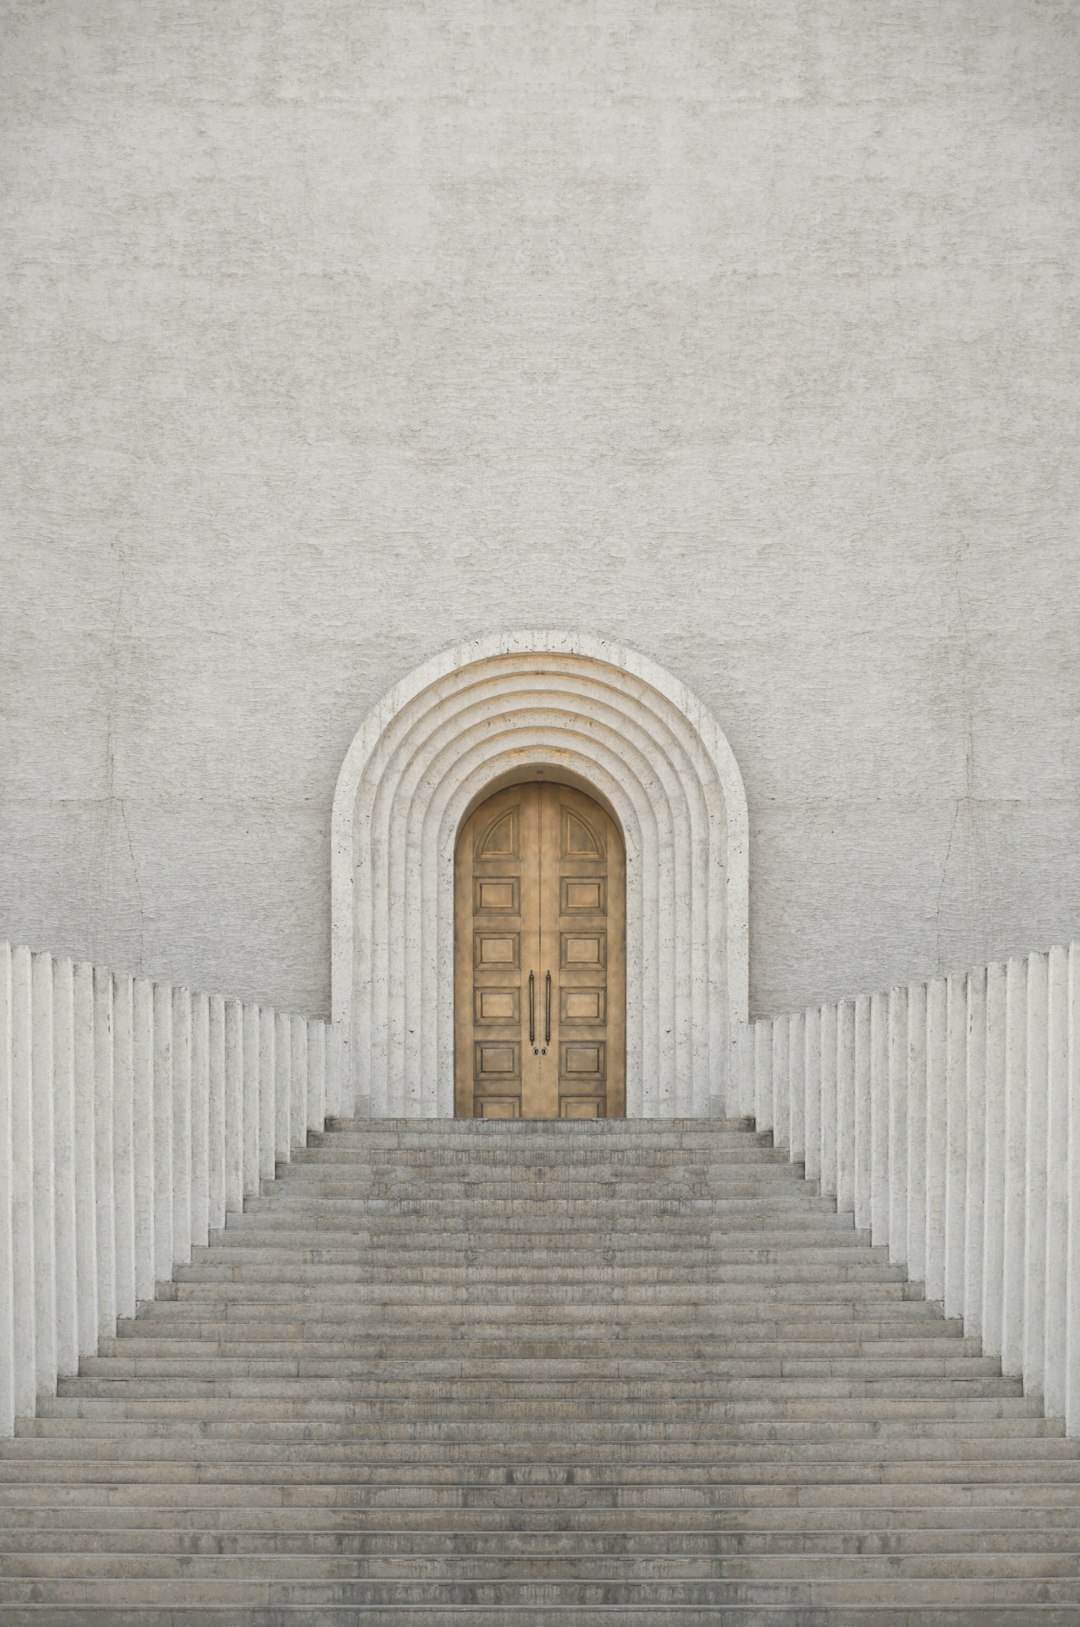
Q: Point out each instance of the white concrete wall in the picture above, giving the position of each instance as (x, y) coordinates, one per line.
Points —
(741, 333)
(132, 1116)
(951, 1126)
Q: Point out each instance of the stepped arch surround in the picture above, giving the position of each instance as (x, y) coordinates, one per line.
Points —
(509, 707)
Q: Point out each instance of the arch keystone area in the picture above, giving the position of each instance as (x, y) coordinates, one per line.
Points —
(491, 711)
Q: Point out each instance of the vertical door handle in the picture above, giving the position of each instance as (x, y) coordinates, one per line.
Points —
(547, 1022)
(532, 1009)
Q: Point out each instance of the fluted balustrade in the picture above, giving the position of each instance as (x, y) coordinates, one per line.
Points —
(946, 1115)
(133, 1115)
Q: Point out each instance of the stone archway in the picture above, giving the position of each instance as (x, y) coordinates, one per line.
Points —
(607, 718)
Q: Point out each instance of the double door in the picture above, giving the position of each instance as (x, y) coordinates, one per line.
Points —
(540, 979)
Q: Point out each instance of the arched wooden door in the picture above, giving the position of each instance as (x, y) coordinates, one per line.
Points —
(540, 958)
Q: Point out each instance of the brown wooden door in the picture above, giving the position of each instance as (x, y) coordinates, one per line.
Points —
(540, 970)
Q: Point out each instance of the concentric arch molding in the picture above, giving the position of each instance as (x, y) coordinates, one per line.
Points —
(485, 714)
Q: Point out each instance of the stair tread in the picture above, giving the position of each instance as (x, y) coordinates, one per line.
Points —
(636, 1371)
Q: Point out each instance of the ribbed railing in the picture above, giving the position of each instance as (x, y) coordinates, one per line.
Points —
(132, 1116)
(946, 1115)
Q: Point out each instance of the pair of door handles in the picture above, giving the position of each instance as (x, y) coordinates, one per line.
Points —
(537, 1050)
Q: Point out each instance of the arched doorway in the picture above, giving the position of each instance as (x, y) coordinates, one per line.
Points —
(595, 715)
(539, 957)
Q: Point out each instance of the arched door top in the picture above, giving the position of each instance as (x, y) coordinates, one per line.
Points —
(590, 712)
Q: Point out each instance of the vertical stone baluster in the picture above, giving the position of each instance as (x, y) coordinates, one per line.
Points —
(827, 1026)
(282, 1081)
(252, 1071)
(181, 1016)
(267, 1093)
(812, 1093)
(936, 1136)
(200, 1119)
(1034, 1352)
(1072, 1315)
(86, 1248)
(956, 1026)
(298, 1092)
(234, 1106)
(780, 1080)
(341, 1101)
(1012, 1308)
(7, 1260)
(975, 1158)
(67, 1282)
(22, 1183)
(994, 1162)
(916, 1131)
(123, 1142)
(163, 1133)
(316, 1071)
(879, 1117)
(216, 1184)
(763, 1044)
(863, 1205)
(796, 1089)
(743, 1097)
(845, 1106)
(143, 1079)
(1057, 1181)
(897, 1043)
(44, 1190)
(105, 1203)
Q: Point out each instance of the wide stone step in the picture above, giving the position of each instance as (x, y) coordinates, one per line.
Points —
(391, 1231)
(420, 1481)
(664, 1218)
(659, 1459)
(296, 1251)
(518, 1191)
(753, 1288)
(622, 1615)
(864, 1592)
(673, 1374)
(459, 1317)
(734, 1149)
(912, 1486)
(949, 1543)
(563, 1567)
(249, 1265)
(620, 1373)
(550, 1209)
(474, 1437)
(765, 1405)
(320, 1344)
(540, 1392)
(237, 1508)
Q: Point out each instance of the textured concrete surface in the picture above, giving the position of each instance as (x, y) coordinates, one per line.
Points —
(336, 334)
(450, 1373)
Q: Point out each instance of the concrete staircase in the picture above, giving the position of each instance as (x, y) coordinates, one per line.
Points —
(538, 1373)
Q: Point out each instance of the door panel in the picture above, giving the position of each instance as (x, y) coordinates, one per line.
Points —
(540, 1020)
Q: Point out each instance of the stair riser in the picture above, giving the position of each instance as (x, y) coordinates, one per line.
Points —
(630, 1373)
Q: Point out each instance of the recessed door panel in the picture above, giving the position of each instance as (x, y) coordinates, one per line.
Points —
(497, 949)
(497, 1005)
(540, 959)
(497, 896)
(583, 896)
